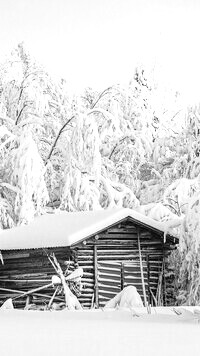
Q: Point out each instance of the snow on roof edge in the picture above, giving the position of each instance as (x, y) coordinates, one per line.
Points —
(70, 228)
(147, 222)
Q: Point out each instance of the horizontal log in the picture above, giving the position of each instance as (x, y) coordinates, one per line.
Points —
(134, 272)
(109, 274)
(123, 254)
(126, 235)
(87, 274)
(129, 239)
(115, 230)
(111, 270)
(87, 277)
(86, 250)
(116, 258)
(85, 266)
(8, 256)
(17, 270)
(115, 244)
(154, 274)
(25, 280)
(107, 294)
(112, 288)
(85, 301)
(116, 251)
(107, 263)
(87, 281)
(104, 298)
(17, 292)
(87, 295)
(11, 290)
(87, 285)
(108, 280)
(86, 305)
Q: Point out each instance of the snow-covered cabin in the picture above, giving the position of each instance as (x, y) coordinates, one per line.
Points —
(108, 244)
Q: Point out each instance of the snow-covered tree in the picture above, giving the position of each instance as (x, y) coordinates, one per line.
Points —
(83, 167)
(28, 177)
(186, 260)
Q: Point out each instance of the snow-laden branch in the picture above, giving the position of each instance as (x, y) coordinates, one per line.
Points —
(103, 93)
(105, 113)
(57, 138)
(173, 224)
(118, 194)
(10, 187)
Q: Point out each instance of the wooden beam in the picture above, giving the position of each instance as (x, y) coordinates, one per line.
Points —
(96, 287)
(122, 276)
(148, 279)
(141, 270)
(164, 279)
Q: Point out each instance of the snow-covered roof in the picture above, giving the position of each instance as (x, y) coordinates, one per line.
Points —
(66, 229)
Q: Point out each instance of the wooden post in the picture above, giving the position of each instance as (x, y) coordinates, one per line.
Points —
(122, 275)
(52, 298)
(96, 288)
(159, 288)
(141, 269)
(164, 280)
(27, 301)
(148, 278)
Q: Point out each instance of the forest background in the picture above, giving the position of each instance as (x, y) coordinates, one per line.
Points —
(134, 145)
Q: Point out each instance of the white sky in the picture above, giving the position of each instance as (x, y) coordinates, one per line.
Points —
(99, 43)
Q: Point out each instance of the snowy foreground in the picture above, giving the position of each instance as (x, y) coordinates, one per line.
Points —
(97, 332)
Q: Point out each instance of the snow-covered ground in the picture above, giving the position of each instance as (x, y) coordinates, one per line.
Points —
(85, 333)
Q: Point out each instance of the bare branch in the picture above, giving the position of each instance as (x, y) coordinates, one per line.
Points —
(19, 115)
(106, 91)
(10, 187)
(57, 138)
(172, 207)
(117, 144)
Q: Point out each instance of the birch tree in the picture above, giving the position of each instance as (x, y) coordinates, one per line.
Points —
(83, 167)
(28, 178)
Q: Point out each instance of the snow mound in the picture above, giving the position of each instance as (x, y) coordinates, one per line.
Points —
(127, 298)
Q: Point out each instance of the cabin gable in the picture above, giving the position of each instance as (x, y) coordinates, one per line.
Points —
(111, 261)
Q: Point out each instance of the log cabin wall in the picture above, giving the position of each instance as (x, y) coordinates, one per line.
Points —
(110, 261)
(24, 270)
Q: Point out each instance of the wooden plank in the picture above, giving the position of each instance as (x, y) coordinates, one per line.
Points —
(141, 269)
(9, 256)
(109, 279)
(109, 271)
(96, 287)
